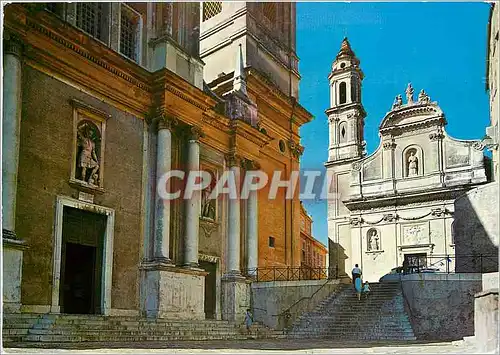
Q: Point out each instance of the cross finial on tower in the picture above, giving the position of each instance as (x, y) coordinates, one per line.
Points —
(239, 81)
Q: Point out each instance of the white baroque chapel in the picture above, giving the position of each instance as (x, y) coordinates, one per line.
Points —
(397, 203)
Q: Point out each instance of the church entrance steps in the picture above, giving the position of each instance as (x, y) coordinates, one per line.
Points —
(36, 329)
(342, 316)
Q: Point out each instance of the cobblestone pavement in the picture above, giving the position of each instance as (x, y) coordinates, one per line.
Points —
(259, 347)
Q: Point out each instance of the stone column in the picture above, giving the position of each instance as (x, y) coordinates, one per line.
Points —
(162, 207)
(11, 125)
(252, 231)
(233, 243)
(193, 205)
(235, 289)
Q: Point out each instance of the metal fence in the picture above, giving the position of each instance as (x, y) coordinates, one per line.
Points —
(459, 263)
(283, 273)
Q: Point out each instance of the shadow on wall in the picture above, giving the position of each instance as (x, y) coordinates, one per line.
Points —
(337, 257)
(475, 230)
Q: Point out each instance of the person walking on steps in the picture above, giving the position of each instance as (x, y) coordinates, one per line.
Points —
(366, 289)
(248, 320)
(358, 285)
(356, 273)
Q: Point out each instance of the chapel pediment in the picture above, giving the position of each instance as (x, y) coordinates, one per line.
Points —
(420, 113)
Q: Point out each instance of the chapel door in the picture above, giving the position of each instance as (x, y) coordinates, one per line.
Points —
(416, 261)
(81, 264)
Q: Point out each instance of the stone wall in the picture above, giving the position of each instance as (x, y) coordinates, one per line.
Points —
(271, 300)
(476, 226)
(441, 306)
(45, 161)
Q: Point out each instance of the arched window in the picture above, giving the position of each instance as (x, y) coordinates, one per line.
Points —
(343, 93)
(354, 92)
(342, 132)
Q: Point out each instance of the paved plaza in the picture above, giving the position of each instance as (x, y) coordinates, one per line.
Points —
(268, 347)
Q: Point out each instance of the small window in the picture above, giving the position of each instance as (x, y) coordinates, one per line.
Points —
(271, 242)
(92, 17)
(343, 93)
(211, 8)
(282, 146)
(129, 32)
(342, 65)
(263, 130)
(343, 132)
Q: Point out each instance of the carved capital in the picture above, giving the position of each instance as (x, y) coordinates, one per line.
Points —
(478, 145)
(389, 145)
(438, 212)
(233, 159)
(435, 136)
(390, 217)
(195, 133)
(295, 148)
(356, 221)
(166, 122)
(248, 164)
(12, 44)
(356, 166)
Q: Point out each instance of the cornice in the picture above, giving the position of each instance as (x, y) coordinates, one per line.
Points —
(35, 26)
(403, 199)
(245, 130)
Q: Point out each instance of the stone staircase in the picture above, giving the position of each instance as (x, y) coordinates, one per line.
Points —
(381, 317)
(50, 329)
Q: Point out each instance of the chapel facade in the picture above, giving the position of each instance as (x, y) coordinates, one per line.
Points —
(396, 204)
(100, 101)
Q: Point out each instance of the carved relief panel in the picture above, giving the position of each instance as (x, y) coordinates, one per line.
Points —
(415, 234)
(89, 126)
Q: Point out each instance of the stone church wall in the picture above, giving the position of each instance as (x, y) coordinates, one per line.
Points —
(44, 172)
(476, 225)
(441, 307)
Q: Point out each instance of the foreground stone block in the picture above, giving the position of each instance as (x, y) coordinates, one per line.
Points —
(172, 292)
(12, 274)
(486, 320)
(235, 298)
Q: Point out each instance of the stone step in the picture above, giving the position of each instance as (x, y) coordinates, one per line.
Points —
(358, 333)
(129, 338)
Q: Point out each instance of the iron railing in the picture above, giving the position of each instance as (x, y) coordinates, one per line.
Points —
(459, 263)
(284, 273)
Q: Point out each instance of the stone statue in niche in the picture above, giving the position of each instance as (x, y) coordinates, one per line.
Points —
(89, 140)
(208, 206)
(409, 94)
(412, 164)
(373, 240)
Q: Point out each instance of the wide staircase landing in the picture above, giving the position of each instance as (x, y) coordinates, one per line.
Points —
(49, 329)
(341, 316)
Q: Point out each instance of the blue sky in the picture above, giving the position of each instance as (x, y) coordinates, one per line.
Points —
(440, 47)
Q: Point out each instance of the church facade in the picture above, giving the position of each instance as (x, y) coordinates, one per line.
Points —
(103, 99)
(394, 206)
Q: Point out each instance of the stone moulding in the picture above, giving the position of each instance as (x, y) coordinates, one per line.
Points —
(43, 30)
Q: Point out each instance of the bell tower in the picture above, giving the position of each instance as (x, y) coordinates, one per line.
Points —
(346, 113)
